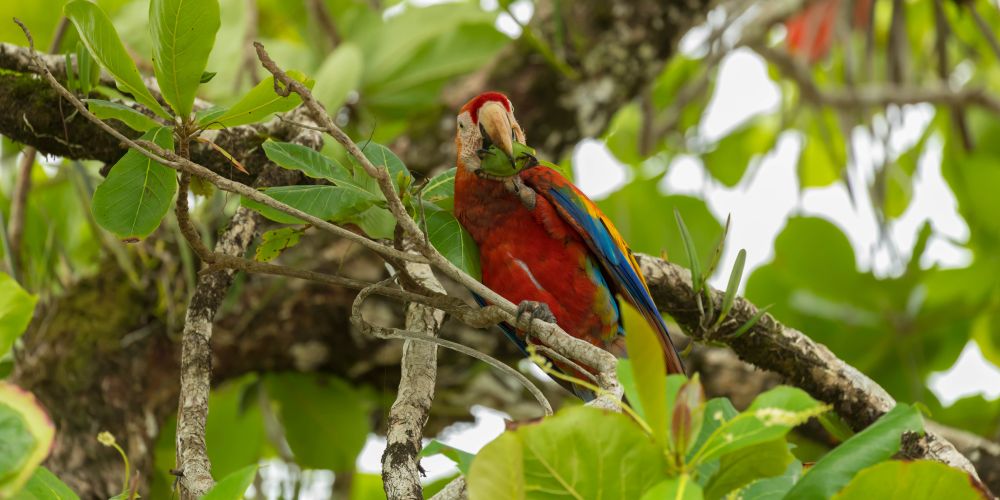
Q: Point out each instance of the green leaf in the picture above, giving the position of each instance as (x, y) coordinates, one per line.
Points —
(234, 432)
(325, 202)
(440, 190)
(462, 458)
(16, 308)
(448, 236)
(733, 286)
(770, 416)
(112, 110)
(678, 488)
(622, 137)
(258, 104)
(26, 434)
(376, 222)
(876, 443)
(183, 35)
(233, 486)
(308, 161)
(44, 485)
(207, 76)
(275, 241)
(339, 74)
(823, 153)
(137, 193)
(325, 420)
(744, 466)
(731, 156)
(497, 472)
(564, 456)
(101, 39)
(381, 156)
(911, 480)
(692, 252)
(773, 488)
(648, 371)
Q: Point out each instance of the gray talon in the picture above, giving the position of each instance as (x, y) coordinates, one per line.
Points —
(529, 310)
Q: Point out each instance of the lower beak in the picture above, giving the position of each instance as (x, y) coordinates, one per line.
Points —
(495, 124)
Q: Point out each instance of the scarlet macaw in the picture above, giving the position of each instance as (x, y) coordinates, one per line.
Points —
(542, 243)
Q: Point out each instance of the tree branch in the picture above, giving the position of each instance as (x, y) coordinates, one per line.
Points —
(787, 352)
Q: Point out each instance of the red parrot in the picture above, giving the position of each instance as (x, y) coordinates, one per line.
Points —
(542, 243)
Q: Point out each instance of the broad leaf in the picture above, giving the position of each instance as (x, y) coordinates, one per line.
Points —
(381, 156)
(566, 456)
(448, 236)
(106, 110)
(137, 193)
(376, 222)
(324, 202)
(16, 309)
(257, 105)
(306, 160)
(26, 434)
(916, 480)
(275, 241)
(773, 488)
(183, 34)
(326, 421)
(440, 190)
(101, 39)
(234, 432)
(648, 371)
(233, 486)
(44, 485)
(731, 156)
(339, 74)
(741, 467)
(770, 416)
(679, 488)
(876, 443)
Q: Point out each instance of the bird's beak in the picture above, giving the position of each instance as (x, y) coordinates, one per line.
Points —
(496, 128)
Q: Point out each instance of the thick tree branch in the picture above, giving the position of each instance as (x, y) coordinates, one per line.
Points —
(401, 459)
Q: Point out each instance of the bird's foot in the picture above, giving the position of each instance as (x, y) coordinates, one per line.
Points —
(530, 310)
(516, 186)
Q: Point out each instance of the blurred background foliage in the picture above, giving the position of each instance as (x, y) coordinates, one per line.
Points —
(391, 70)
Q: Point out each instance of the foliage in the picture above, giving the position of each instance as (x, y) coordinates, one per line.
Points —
(387, 79)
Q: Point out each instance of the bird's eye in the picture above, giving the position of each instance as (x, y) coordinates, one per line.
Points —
(461, 125)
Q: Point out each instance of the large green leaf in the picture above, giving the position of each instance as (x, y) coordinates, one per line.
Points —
(770, 416)
(773, 488)
(308, 161)
(16, 309)
(497, 472)
(234, 431)
(563, 456)
(101, 39)
(113, 110)
(741, 467)
(376, 222)
(258, 104)
(622, 137)
(339, 74)
(26, 435)
(325, 420)
(44, 485)
(731, 156)
(874, 444)
(183, 35)
(233, 486)
(325, 202)
(916, 480)
(137, 193)
(448, 236)
(823, 154)
(679, 488)
(440, 190)
(462, 458)
(381, 156)
(648, 370)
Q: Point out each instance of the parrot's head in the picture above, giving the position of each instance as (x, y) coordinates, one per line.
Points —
(486, 126)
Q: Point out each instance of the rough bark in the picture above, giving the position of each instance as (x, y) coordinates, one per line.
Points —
(401, 469)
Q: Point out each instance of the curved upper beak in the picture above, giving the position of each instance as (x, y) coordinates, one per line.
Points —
(494, 122)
